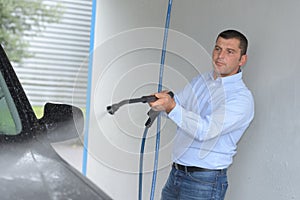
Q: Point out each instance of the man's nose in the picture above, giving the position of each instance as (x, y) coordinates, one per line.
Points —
(221, 54)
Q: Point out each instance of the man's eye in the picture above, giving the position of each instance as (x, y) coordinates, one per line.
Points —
(217, 48)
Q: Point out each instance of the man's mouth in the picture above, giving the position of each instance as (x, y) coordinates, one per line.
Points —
(219, 63)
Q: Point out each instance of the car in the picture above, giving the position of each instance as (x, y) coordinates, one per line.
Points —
(29, 167)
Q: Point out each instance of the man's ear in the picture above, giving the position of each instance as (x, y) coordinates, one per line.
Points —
(243, 60)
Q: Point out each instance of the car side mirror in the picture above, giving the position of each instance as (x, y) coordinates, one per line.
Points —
(62, 122)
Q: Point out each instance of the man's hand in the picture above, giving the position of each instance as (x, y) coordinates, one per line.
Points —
(164, 103)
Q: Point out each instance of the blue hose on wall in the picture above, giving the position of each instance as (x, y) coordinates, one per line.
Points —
(162, 62)
(152, 114)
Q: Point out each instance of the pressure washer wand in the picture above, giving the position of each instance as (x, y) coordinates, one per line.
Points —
(144, 99)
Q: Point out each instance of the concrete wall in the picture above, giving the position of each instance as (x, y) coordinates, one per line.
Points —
(126, 63)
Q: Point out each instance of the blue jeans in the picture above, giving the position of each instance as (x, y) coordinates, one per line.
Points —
(207, 185)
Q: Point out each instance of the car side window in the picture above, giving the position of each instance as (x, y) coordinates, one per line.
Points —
(10, 122)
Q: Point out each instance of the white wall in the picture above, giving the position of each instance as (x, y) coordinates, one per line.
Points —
(126, 64)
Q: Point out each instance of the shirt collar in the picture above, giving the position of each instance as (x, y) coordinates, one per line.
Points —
(229, 79)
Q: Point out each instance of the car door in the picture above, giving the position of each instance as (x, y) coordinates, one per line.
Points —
(29, 166)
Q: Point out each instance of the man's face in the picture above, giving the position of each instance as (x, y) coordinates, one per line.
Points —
(227, 57)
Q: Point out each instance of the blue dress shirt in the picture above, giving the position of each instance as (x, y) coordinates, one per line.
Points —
(211, 116)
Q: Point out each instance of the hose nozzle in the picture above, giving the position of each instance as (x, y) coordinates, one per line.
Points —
(112, 109)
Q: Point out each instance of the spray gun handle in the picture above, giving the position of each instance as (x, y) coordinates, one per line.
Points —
(153, 113)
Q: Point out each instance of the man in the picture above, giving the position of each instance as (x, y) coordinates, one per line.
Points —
(211, 114)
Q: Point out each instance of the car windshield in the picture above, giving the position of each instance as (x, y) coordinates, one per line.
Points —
(10, 123)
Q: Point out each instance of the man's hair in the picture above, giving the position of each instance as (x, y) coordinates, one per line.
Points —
(230, 34)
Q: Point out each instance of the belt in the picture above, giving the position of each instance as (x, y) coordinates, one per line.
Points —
(192, 168)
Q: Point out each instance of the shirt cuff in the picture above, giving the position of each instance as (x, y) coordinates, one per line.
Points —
(176, 115)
